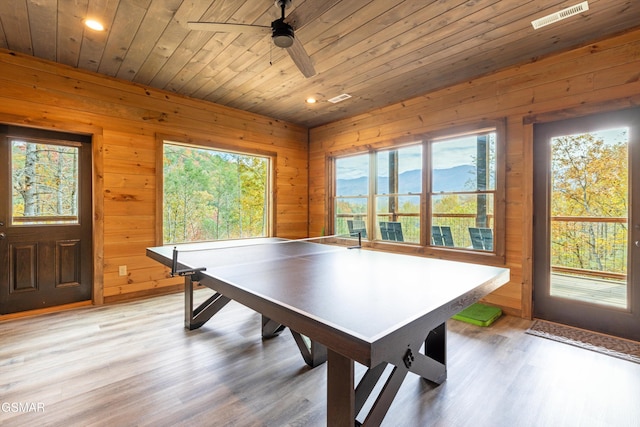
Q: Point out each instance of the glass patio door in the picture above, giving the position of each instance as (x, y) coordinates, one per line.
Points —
(587, 222)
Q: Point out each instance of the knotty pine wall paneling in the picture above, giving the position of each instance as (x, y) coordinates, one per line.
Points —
(597, 77)
(125, 120)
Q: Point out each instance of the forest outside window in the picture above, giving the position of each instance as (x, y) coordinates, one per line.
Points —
(44, 182)
(212, 194)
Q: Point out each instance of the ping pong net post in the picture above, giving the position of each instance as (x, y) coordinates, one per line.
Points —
(359, 245)
(194, 317)
(185, 271)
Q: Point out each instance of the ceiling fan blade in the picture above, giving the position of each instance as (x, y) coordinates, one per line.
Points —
(301, 58)
(222, 27)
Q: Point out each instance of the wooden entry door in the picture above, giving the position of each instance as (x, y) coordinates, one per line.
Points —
(45, 219)
(587, 222)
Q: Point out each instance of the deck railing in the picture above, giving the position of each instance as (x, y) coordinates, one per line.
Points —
(590, 246)
(459, 223)
(586, 246)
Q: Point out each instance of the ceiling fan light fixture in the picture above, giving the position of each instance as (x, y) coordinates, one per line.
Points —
(282, 33)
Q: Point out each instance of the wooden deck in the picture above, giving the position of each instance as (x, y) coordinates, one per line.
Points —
(598, 291)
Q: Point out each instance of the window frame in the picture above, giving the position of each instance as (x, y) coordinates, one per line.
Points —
(427, 139)
(202, 144)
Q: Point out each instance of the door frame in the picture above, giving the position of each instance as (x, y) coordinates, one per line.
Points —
(528, 121)
(623, 316)
(97, 201)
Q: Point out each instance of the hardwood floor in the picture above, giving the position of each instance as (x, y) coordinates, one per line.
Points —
(133, 364)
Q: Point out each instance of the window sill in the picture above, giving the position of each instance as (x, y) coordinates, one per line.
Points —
(440, 252)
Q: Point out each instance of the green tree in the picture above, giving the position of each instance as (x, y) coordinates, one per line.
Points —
(44, 179)
(590, 179)
(212, 195)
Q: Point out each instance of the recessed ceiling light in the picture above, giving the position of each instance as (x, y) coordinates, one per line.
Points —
(94, 25)
(311, 100)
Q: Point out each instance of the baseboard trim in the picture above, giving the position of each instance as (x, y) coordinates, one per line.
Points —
(54, 309)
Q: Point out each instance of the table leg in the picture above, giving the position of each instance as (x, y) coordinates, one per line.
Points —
(188, 302)
(435, 348)
(270, 328)
(432, 365)
(312, 352)
(344, 402)
(340, 390)
(196, 317)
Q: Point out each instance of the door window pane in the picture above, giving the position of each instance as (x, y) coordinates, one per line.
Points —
(589, 210)
(44, 182)
(213, 195)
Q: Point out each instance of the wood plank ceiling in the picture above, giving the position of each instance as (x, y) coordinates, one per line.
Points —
(378, 51)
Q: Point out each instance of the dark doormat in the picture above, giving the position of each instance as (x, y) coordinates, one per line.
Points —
(605, 344)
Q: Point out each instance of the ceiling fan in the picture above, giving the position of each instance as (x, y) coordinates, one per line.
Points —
(281, 32)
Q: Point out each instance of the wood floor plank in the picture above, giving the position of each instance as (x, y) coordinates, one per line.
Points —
(134, 364)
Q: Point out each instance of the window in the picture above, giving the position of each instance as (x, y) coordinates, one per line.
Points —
(351, 202)
(213, 195)
(452, 204)
(463, 185)
(398, 194)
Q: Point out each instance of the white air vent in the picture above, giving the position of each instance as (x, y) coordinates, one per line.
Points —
(559, 16)
(339, 98)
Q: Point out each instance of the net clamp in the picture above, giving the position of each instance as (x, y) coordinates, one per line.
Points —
(188, 272)
(193, 272)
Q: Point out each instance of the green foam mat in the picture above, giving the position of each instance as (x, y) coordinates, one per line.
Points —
(479, 314)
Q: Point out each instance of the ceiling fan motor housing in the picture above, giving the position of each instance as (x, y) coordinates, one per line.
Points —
(282, 33)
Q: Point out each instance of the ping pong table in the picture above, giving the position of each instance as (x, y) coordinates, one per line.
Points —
(342, 305)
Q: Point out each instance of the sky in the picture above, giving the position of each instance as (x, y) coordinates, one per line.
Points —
(611, 136)
(446, 154)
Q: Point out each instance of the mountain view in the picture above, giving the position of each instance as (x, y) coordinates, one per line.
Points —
(451, 179)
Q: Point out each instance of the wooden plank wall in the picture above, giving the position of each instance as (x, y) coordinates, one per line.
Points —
(125, 120)
(601, 76)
